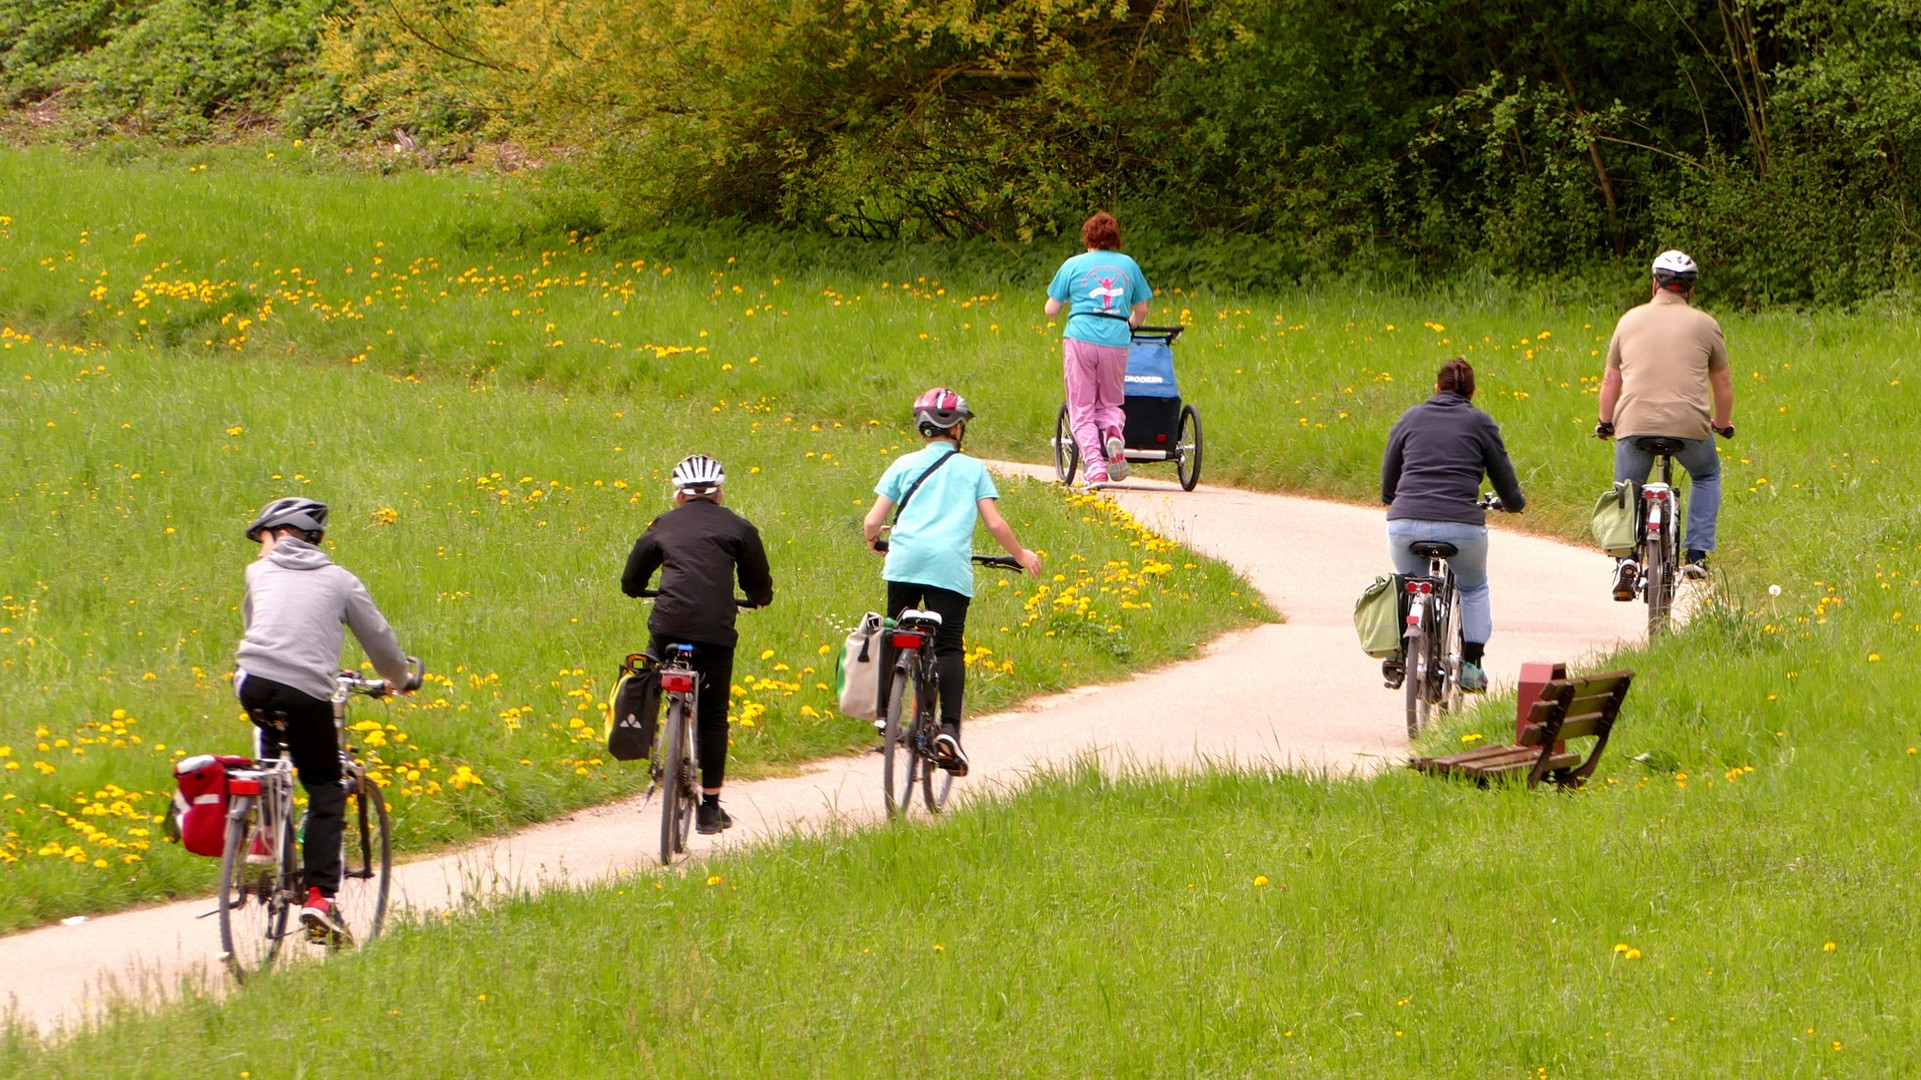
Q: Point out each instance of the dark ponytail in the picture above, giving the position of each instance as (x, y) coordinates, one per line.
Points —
(1456, 375)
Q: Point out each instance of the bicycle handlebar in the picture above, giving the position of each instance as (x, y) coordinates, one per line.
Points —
(416, 678)
(1491, 501)
(998, 562)
(650, 594)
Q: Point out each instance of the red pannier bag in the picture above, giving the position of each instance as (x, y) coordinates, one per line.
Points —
(200, 801)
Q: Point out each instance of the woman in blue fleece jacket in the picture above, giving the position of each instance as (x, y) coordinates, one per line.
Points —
(1431, 482)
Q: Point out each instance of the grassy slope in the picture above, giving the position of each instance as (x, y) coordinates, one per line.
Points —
(491, 519)
(1768, 814)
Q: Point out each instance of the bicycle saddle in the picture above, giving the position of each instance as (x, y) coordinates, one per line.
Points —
(1433, 549)
(1660, 444)
(931, 618)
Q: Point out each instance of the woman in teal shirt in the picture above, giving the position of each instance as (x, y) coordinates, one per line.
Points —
(930, 552)
(1105, 296)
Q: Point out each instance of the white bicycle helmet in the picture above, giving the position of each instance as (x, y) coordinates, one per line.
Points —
(1674, 269)
(698, 474)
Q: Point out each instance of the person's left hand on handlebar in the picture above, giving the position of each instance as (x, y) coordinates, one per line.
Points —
(1030, 562)
(1726, 432)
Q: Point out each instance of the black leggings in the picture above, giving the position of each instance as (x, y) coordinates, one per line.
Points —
(304, 724)
(715, 663)
(952, 609)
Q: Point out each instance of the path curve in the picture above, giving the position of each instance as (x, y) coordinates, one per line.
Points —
(1297, 694)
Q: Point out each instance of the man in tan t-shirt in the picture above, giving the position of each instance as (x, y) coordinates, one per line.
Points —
(1667, 374)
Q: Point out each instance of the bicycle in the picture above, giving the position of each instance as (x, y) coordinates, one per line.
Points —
(1431, 637)
(675, 768)
(907, 750)
(261, 880)
(1657, 542)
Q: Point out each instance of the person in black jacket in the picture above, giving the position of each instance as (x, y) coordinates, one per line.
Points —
(700, 547)
(1431, 483)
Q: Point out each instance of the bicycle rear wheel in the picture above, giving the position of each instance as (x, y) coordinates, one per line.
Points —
(899, 759)
(676, 783)
(366, 861)
(255, 900)
(1414, 681)
(1657, 581)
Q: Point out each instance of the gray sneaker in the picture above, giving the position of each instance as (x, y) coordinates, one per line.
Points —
(1627, 574)
(1116, 458)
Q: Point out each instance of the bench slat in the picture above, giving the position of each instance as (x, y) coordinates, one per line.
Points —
(1518, 761)
(1574, 727)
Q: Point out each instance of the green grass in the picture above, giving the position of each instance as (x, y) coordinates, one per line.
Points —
(491, 521)
(1071, 901)
(1221, 925)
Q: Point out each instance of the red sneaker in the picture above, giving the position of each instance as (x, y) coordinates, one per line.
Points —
(320, 918)
(260, 854)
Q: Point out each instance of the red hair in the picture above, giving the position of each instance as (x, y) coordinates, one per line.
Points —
(1456, 375)
(1101, 232)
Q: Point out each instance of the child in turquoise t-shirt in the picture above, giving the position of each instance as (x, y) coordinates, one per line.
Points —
(1105, 296)
(931, 546)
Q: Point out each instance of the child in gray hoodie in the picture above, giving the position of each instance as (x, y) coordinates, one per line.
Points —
(298, 608)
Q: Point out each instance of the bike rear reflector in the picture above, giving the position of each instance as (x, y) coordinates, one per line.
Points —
(907, 641)
(1414, 620)
(1420, 586)
(237, 786)
(679, 682)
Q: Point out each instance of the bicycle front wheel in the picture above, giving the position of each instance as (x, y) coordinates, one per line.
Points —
(1450, 696)
(935, 782)
(898, 757)
(676, 783)
(255, 899)
(366, 861)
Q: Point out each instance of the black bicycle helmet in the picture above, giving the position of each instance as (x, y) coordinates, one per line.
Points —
(292, 512)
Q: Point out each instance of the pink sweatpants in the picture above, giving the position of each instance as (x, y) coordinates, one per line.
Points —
(1096, 378)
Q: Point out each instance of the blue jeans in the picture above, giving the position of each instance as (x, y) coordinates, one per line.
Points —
(1703, 467)
(1469, 563)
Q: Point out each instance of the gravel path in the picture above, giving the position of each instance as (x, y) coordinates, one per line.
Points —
(1297, 694)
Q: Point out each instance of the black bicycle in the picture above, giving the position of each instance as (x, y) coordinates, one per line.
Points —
(908, 754)
(261, 879)
(675, 769)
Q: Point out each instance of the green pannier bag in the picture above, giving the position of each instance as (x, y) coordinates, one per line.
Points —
(1613, 520)
(1377, 618)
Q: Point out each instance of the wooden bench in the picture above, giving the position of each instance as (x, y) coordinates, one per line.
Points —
(1566, 709)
